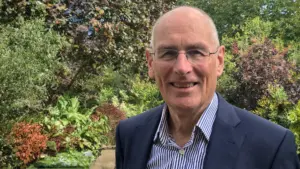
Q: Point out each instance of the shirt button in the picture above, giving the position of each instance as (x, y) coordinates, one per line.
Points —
(181, 151)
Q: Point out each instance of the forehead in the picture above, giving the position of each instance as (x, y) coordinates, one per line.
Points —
(183, 29)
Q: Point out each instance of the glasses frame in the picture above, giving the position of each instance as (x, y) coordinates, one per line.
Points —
(185, 53)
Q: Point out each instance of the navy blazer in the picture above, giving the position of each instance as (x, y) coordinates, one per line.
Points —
(239, 140)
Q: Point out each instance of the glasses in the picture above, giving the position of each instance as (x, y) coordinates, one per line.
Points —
(194, 56)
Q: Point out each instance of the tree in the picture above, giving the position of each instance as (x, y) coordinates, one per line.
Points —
(285, 14)
(27, 66)
(110, 33)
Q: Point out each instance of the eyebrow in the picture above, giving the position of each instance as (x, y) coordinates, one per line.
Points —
(163, 47)
(196, 46)
(190, 46)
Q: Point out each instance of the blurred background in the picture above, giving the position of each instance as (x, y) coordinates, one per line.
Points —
(70, 70)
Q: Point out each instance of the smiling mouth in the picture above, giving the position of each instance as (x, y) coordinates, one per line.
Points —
(183, 85)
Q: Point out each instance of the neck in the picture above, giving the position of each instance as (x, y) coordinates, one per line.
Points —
(182, 122)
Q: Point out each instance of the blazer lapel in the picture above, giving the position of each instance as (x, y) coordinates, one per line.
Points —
(226, 140)
(142, 141)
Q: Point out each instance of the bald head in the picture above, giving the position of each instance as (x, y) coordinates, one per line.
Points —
(186, 16)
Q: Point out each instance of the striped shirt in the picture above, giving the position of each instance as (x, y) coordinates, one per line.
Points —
(166, 154)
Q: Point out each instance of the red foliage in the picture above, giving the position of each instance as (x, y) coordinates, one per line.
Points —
(28, 141)
(235, 49)
(59, 140)
(69, 129)
(114, 115)
(263, 64)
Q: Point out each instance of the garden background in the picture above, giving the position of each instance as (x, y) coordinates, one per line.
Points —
(71, 69)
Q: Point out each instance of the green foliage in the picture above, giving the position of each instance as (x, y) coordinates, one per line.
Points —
(10, 10)
(284, 15)
(295, 53)
(254, 62)
(254, 31)
(73, 128)
(294, 118)
(228, 13)
(142, 96)
(107, 40)
(70, 159)
(27, 65)
(101, 88)
(133, 95)
(8, 159)
(275, 105)
(111, 33)
(106, 95)
(227, 84)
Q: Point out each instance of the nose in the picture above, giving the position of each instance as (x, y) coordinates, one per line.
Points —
(182, 66)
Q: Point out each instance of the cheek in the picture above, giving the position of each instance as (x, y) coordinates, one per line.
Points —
(161, 74)
(206, 74)
(160, 71)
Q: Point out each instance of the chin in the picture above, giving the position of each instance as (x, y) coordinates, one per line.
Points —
(184, 104)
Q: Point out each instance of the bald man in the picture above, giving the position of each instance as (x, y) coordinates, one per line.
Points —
(196, 128)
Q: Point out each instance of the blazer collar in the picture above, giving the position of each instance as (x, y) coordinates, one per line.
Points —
(142, 139)
(223, 147)
(226, 140)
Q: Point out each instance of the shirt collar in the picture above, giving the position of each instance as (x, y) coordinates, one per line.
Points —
(205, 123)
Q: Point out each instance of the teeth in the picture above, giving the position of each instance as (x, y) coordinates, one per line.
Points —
(183, 85)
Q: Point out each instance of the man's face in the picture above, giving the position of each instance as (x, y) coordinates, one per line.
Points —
(185, 85)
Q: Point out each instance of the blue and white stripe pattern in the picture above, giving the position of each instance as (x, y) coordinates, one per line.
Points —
(166, 154)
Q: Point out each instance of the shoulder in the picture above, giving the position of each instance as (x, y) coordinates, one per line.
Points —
(256, 123)
(261, 133)
(260, 139)
(257, 129)
(141, 119)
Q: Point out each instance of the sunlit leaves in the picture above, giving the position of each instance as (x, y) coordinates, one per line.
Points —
(27, 65)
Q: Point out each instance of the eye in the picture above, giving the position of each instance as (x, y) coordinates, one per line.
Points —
(169, 54)
(195, 53)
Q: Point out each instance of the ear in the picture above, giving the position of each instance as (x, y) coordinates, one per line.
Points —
(149, 63)
(220, 60)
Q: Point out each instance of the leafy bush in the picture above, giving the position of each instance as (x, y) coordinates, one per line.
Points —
(259, 62)
(133, 95)
(72, 127)
(114, 117)
(294, 118)
(97, 89)
(101, 33)
(254, 32)
(260, 66)
(70, 159)
(274, 105)
(262, 74)
(295, 54)
(143, 95)
(10, 10)
(227, 83)
(107, 32)
(28, 141)
(8, 158)
(27, 66)
(284, 15)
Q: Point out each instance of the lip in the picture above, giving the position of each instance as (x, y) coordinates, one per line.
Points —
(183, 85)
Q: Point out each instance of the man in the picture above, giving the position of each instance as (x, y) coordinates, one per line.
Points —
(196, 128)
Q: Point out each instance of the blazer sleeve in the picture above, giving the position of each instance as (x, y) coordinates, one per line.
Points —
(286, 156)
(119, 151)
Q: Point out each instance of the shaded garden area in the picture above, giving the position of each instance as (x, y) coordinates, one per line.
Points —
(70, 70)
